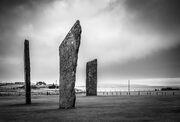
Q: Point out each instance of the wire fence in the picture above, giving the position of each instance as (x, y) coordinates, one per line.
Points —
(139, 93)
(99, 93)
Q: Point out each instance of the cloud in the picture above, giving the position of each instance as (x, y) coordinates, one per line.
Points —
(162, 13)
(112, 31)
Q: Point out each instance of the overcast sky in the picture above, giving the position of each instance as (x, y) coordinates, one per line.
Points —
(132, 39)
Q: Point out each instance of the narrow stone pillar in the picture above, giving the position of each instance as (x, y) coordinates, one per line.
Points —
(27, 71)
(91, 78)
(68, 52)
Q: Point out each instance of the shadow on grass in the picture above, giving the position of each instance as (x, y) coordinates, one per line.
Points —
(28, 105)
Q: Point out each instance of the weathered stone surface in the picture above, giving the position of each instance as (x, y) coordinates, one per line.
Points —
(91, 78)
(68, 52)
(27, 71)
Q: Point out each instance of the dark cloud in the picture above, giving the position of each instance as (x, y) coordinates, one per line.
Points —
(163, 13)
(163, 16)
(17, 12)
(163, 64)
(7, 5)
(14, 14)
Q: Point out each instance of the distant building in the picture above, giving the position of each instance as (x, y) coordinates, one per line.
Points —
(53, 86)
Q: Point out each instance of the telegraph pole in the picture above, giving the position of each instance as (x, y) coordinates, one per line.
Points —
(129, 87)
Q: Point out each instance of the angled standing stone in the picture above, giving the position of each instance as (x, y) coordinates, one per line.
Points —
(91, 78)
(27, 72)
(68, 52)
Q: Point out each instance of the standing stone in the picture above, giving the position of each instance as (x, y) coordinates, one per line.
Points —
(91, 78)
(27, 72)
(68, 52)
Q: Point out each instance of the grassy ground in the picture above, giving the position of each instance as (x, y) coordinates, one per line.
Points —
(92, 109)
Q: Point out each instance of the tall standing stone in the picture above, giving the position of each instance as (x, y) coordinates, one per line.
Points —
(27, 71)
(91, 78)
(68, 52)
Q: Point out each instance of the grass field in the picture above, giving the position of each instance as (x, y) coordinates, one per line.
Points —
(92, 109)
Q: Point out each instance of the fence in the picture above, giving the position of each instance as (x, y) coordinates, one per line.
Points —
(99, 93)
(138, 93)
